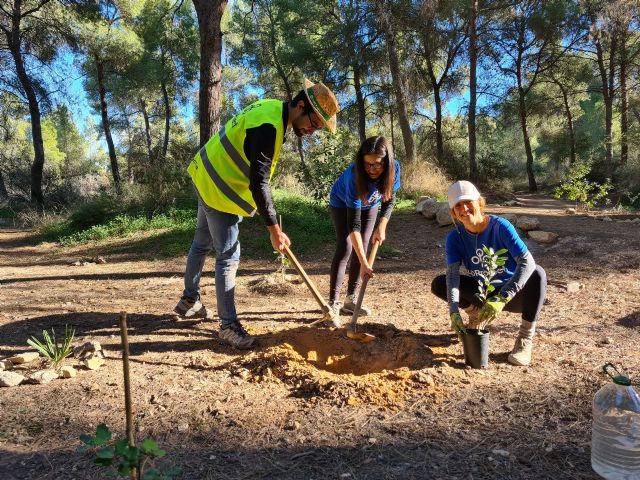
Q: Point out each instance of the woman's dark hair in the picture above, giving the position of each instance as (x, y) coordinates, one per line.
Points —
(302, 96)
(380, 147)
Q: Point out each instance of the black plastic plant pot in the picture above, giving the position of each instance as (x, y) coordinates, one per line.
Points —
(476, 347)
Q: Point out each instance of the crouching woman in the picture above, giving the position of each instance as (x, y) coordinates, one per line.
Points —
(523, 283)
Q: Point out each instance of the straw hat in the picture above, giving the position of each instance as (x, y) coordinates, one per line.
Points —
(323, 102)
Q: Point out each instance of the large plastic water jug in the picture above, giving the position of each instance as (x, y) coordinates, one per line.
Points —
(615, 437)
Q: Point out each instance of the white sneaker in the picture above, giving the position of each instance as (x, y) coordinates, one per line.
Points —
(236, 336)
(332, 317)
(350, 305)
(521, 353)
(188, 308)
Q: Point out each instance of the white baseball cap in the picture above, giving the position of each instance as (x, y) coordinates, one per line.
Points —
(462, 190)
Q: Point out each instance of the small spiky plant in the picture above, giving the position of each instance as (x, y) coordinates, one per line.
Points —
(50, 349)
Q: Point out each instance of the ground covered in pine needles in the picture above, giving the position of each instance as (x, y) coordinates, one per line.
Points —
(307, 402)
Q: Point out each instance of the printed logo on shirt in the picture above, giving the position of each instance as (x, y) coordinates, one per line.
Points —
(477, 260)
(374, 198)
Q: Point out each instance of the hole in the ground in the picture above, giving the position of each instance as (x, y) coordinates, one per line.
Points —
(332, 351)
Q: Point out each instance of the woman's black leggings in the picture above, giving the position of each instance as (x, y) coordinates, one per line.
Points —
(527, 301)
(344, 249)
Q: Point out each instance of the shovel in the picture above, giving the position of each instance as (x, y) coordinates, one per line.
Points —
(351, 329)
(314, 291)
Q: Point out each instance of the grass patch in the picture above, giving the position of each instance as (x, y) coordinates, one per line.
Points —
(170, 233)
(306, 222)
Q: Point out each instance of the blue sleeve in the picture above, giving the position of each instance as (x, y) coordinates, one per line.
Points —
(509, 236)
(351, 193)
(396, 182)
(452, 248)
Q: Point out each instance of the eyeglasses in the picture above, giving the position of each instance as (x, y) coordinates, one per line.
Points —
(314, 125)
(373, 166)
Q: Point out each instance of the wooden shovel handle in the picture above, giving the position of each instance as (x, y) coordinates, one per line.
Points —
(373, 253)
(307, 280)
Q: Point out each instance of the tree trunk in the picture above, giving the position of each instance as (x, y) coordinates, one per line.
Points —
(398, 85)
(209, 14)
(533, 187)
(167, 121)
(607, 97)
(572, 133)
(609, 106)
(3, 187)
(147, 129)
(439, 140)
(362, 113)
(624, 103)
(473, 90)
(14, 43)
(106, 125)
(393, 136)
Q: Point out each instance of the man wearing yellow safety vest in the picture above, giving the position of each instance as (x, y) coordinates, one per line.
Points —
(231, 175)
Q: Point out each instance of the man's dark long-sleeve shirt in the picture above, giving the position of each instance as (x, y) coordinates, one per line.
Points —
(259, 146)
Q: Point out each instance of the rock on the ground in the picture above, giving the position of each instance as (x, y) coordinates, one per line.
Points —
(430, 209)
(43, 377)
(570, 211)
(444, 215)
(421, 201)
(422, 377)
(511, 217)
(528, 223)
(606, 219)
(573, 287)
(541, 236)
(68, 372)
(26, 357)
(10, 379)
(93, 363)
(501, 452)
(6, 364)
(87, 348)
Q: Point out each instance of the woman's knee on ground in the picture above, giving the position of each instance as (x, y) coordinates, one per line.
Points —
(439, 286)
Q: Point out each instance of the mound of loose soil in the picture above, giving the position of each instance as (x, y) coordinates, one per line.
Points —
(328, 365)
(274, 284)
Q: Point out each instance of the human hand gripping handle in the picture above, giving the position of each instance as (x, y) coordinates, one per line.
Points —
(278, 238)
(491, 309)
(380, 235)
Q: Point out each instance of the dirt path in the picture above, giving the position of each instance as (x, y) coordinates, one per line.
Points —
(308, 403)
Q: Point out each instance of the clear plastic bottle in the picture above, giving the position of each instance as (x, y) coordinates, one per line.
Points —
(615, 437)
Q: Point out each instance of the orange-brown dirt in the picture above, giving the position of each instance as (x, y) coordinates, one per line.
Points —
(308, 402)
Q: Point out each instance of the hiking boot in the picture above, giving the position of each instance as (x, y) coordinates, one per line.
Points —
(236, 336)
(332, 317)
(188, 308)
(521, 353)
(350, 305)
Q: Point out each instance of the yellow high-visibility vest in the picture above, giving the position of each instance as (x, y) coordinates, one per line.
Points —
(220, 170)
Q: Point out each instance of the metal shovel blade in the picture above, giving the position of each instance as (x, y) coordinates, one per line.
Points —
(361, 336)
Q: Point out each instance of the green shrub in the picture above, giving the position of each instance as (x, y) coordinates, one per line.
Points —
(578, 188)
(124, 458)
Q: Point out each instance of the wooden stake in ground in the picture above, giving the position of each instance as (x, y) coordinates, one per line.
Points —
(127, 387)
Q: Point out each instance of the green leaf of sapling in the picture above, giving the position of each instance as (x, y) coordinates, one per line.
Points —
(103, 434)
